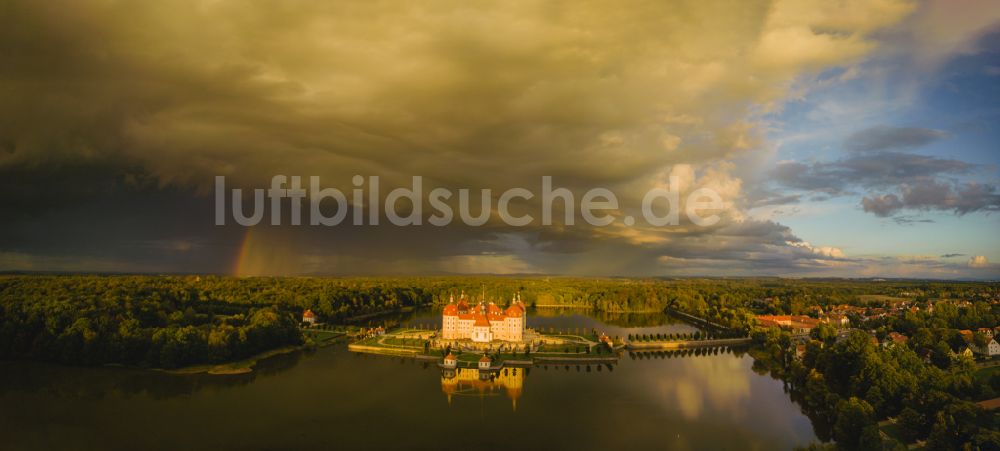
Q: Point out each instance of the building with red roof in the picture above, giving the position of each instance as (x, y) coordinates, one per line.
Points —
(796, 323)
(483, 323)
(896, 338)
(309, 317)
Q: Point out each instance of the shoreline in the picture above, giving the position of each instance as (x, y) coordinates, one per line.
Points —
(246, 366)
(365, 316)
(243, 366)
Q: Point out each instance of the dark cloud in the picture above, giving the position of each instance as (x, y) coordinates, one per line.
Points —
(883, 137)
(875, 170)
(934, 195)
(884, 205)
(911, 220)
(117, 115)
(952, 255)
(900, 180)
(959, 198)
(778, 200)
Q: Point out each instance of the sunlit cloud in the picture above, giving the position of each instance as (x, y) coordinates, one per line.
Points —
(123, 114)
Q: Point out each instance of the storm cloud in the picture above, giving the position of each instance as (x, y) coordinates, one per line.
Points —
(117, 116)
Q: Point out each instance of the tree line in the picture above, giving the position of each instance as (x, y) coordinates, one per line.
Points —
(846, 387)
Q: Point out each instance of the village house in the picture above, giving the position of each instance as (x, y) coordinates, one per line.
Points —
(894, 339)
(795, 323)
(800, 351)
(309, 317)
(964, 352)
(838, 320)
(990, 350)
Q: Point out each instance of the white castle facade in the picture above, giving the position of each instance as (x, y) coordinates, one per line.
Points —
(484, 322)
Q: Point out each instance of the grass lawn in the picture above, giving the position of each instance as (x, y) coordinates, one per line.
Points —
(435, 352)
(322, 336)
(370, 341)
(408, 342)
(570, 348)
(573, 337)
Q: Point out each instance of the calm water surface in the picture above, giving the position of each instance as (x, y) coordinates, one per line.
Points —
(331, 398)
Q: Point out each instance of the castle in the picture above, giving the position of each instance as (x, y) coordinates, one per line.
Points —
(483, 322)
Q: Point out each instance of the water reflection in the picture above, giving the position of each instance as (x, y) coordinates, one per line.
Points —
(99, 383)
(460, 382)
(678, 399)
(718, 382)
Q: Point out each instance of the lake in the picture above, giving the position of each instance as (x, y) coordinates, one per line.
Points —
(331, 398)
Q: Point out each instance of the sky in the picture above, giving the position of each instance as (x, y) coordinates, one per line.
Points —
(845, 139)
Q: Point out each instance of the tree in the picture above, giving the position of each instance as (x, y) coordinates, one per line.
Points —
(980, 340)
(825, 333)
(958, 425)
(854, 418)
(941, 355)
(911, 424)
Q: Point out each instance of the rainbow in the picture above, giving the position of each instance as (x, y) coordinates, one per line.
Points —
(265, 251)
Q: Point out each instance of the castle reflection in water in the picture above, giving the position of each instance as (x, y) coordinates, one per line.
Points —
(472, 382)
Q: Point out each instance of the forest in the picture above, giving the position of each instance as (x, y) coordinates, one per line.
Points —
(847, 386)
(173, 321)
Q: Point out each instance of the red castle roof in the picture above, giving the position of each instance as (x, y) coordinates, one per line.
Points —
(308, 314)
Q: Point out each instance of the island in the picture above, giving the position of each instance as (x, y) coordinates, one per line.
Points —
(473, 332)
